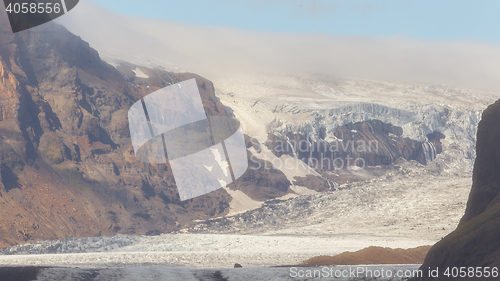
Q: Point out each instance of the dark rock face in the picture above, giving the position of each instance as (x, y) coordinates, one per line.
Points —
(369, 143)
(485, 193)
(315, 183)
(20, 273)
(476, 243)
(262, 181)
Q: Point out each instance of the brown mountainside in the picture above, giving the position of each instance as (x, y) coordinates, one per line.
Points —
(66, 159)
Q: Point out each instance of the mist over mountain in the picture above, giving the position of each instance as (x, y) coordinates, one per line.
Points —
(222, 53)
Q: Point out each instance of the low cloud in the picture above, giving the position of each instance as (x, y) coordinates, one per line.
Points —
(216, 52)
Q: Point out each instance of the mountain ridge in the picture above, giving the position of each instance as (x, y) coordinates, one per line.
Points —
(66, 160)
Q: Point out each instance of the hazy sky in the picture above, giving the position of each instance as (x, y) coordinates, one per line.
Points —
(439, 42)
(422, 19)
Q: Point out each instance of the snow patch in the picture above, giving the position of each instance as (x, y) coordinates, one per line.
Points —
(241, 202)
(138, 73)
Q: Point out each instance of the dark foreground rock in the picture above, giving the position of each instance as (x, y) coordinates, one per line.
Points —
(475, 243)
(19, 273)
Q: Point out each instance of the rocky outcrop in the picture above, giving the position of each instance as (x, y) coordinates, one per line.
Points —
(320, 118)
(315, 183)
(262, 181)
(362, 144)
(475, 242)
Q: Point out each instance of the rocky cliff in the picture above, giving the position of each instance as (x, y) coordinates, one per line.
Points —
(364, 144)
(475, 242)
(66, 160)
